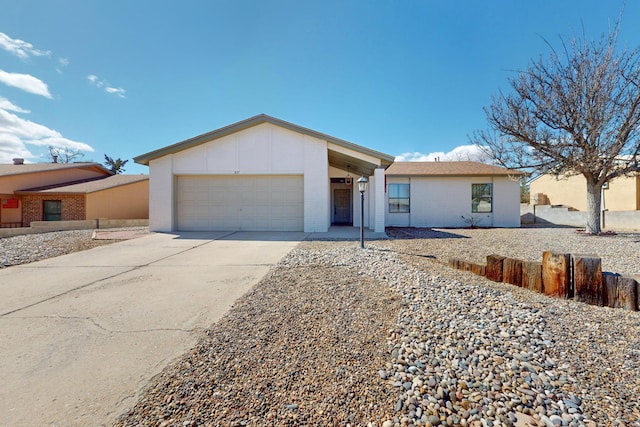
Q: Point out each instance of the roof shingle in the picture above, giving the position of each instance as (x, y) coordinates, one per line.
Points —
(447, 169)
(89, 185)
(11, 169)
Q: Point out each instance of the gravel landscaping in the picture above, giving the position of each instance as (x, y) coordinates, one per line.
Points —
(390, 336)
(28, 248)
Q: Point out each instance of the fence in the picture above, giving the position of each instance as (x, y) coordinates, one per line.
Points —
(563, 276)
(561, 215)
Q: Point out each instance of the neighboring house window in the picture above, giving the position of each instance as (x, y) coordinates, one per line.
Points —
(481, 198)
(398, 198)
(52, 210)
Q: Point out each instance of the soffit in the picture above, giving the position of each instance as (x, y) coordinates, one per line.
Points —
(351, 164)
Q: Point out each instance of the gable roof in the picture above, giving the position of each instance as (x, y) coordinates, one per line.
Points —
(11, 169)
(448, 169)
(88, 185)
(250, 122)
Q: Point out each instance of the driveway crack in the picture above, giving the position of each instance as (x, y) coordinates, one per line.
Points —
(114, 331)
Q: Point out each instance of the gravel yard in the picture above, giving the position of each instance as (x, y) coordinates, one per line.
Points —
(389, 336)
(35, 247)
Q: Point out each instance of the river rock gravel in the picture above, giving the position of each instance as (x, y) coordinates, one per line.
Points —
(302, 348)
(28, 248)
(388, 336)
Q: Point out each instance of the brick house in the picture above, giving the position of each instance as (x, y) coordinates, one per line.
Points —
(71, 191)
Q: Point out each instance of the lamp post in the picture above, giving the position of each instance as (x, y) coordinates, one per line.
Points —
(362, 186)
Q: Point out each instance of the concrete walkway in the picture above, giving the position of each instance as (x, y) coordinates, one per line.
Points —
(347, 232)
(82, 334)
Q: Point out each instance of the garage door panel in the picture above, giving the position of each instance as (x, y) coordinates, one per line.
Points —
(252, 203)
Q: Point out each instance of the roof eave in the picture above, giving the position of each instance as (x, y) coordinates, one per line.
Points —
(144, 159)
(453, 175)
(116, 186)
(49, 192)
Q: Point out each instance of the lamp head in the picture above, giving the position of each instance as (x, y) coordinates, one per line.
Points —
(362, 183)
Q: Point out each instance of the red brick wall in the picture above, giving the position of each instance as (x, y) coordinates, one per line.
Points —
(73, 207)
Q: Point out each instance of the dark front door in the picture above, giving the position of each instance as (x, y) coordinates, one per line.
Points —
(342, 206)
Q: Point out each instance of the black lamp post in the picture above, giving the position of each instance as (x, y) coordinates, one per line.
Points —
(362, 186)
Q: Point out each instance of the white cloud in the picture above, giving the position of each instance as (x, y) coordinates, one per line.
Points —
(26, 82)
(20, 48)
(16, 134)
(20, 137)
(59, 141)
(98, 82)
(5, 104)
(461, 153)
(94, 79)
(11, 147)
(115, 90)
(62, 63)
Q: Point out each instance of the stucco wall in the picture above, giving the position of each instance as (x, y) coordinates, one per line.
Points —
(623, 193)
(506, 202)
(161, 187)
(10, 215)
(444, 201)
(129, 201)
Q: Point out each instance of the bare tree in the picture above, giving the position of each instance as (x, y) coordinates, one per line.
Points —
(115, 165)
(64, 154)
(574, 112)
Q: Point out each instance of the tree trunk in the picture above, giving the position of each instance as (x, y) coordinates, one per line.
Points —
(593, 207)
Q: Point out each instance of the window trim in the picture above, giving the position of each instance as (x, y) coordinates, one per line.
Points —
(395, 207)
(481, 197)
(45, 214)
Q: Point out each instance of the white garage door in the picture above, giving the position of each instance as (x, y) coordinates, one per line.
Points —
(248, 202)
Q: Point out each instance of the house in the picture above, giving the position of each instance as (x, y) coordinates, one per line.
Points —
(263, 173)
(620, 194)
(452, 194)
(68, 191)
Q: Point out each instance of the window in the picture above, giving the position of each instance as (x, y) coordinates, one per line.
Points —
(398, 198)
(52, 210)
(481, 198)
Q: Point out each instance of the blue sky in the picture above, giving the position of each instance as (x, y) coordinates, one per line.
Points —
(407, 78)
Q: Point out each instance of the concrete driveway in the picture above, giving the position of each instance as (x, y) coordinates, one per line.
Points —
(82, 334)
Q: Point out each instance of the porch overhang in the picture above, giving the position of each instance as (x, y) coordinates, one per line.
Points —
(357, 162)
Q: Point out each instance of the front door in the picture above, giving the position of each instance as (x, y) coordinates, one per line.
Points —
(342, 206)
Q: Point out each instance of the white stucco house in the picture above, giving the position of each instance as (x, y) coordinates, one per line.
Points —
(452, 194)
(264, 174)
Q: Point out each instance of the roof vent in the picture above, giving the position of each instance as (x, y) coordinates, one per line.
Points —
(18, 161)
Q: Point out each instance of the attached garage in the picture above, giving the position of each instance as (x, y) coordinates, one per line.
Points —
(263, 174)
(244, 202)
